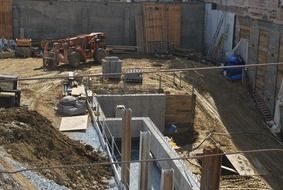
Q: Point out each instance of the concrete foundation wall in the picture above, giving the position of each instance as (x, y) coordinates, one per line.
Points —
(143, 105)
(271, 76)
(268, 10)
(115, 126)
(159, 147)
(57, 19)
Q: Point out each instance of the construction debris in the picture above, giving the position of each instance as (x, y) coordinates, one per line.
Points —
(23, 48)
(133, 76)
(7, 48)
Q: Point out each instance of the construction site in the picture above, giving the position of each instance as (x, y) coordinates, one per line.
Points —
(141, 95)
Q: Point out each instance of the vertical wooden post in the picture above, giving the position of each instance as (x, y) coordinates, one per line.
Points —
(174, 78)
(144, 154)
(167, 180)
(211, 170)
(180, 79)
(160, 82)
(126, 147)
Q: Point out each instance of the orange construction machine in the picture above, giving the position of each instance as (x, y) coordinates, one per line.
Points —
(74, 50)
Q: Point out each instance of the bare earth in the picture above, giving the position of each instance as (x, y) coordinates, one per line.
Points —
(224, 109)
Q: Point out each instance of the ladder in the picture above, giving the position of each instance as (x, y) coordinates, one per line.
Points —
(220, 43)
(216, 34)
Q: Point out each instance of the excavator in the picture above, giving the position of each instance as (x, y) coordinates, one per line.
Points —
(75, 50)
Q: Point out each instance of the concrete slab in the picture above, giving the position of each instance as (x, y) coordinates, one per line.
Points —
(74, 123)
(243, 166)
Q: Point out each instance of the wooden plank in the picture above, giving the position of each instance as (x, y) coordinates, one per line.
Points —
(179, 109)
(244, 32)
(243, 166)
(139, 33)
(262, 58)
(78, 91)
(210, 170)
(74, 123)
(174, 25)
(6, 19)
(126, 148)
(162, 26)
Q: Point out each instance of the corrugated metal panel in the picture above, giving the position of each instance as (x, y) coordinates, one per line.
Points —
(262, 58)
(6, 19)
(162, 26)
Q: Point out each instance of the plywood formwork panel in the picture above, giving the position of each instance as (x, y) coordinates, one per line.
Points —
(162, 23)
(6, 22)
(179, 109)
(262, 58)
(244, 32)
(174, 25)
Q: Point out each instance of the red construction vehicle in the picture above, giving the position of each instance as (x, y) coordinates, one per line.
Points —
(74, 50)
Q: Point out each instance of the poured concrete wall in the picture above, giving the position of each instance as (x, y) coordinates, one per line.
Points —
(268, 10)
(271, 75)
(115, 126)
(44, 20)
(143, 105)
(159, 147)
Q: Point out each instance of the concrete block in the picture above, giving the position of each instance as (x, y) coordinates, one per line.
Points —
(110, 66)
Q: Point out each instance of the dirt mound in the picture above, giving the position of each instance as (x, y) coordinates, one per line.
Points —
(31, 139)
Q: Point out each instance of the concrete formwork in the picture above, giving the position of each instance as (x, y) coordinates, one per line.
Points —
(270, 77)
(56, 19)
(143, 105)
(159, 147)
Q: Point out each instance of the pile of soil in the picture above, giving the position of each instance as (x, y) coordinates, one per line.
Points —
(32, 140)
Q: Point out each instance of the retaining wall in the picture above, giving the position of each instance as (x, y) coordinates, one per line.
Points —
(58, 19)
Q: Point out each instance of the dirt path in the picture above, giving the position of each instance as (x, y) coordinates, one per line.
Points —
(222, 107)
(233, 111)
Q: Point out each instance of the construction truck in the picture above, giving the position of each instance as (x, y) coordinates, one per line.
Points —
(73, 51)
(10, 94)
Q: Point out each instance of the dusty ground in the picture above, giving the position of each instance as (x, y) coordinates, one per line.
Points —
(224, 108)
(32, 140)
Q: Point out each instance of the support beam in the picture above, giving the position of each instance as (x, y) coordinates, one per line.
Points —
(126, 147)
(167, 180)
(211, 170)
(144, 154)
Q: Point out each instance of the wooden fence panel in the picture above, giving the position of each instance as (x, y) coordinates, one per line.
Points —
(262, 58)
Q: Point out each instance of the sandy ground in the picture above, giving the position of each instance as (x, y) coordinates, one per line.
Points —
(224, 109)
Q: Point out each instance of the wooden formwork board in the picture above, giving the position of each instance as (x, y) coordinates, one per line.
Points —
(174, 25)
(162, 23)
(262, 58)
(244, 32)
(179, 109)
(6, 21)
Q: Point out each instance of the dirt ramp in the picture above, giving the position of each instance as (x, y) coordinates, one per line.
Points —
(31, 139)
